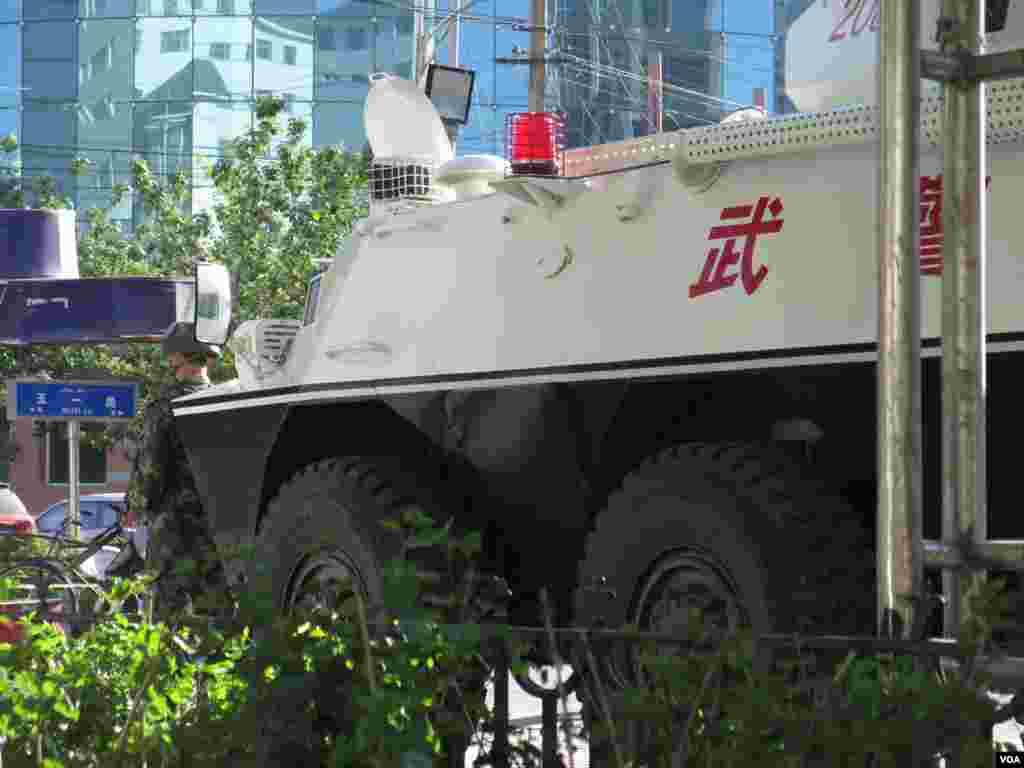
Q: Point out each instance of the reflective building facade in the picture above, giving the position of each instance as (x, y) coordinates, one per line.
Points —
(714, 56)
(488, 31)
(172, 81)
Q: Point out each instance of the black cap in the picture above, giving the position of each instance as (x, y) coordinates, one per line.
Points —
(181, 338)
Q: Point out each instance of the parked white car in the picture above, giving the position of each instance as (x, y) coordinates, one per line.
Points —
(97, 512)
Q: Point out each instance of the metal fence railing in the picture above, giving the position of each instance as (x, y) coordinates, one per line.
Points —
(575, 649)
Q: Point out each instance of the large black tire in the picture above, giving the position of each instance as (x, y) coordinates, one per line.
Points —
(328, 516)
(333, 506)
(793, 556)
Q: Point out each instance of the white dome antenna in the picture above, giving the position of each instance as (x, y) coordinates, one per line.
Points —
(402, 123)
(409, 144)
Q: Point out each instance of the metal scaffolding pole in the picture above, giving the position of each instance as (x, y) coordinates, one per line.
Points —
(899, 321)
(538, 52)
(963, 300)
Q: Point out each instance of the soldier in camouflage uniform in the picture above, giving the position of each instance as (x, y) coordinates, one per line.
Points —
(163, 490)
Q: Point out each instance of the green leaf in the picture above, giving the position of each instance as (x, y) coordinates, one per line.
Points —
(61, 707)
(401, 586)
(157, 704)
(417, 519)
(429, 537)
(153, 644)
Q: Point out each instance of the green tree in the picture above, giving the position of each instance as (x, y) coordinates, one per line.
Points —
(276, 215)
(280, 205)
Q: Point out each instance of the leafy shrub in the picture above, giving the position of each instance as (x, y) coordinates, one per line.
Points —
(142, 690)
(332, 688)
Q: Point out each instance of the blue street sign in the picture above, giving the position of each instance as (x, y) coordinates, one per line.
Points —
(67, 400)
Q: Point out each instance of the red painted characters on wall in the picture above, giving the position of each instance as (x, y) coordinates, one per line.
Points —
(931, 224)
(718, 270)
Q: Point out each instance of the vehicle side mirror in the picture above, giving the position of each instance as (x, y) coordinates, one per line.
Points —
(212, 303)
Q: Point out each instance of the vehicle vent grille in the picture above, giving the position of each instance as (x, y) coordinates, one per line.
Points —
(276, 338)
(401, 184)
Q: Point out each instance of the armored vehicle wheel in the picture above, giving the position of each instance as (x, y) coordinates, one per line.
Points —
(738, 531)
(322, 534)
(322, 540)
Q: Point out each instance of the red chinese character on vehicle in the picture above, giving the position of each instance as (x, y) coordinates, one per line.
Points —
(931, 224)
(714, 276)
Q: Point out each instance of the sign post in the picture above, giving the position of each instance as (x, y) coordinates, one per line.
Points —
(74, 480)
(72, 402)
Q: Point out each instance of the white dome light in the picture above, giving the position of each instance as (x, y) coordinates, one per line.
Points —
(402, 123)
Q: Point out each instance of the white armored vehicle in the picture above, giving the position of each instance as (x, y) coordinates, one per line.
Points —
(646, 370)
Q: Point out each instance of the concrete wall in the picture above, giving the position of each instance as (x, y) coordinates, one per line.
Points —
(28, 471)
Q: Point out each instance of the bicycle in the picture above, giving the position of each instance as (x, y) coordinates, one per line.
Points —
(53, 581)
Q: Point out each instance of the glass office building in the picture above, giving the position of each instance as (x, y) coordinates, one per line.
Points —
(714, 56)
(172, 81)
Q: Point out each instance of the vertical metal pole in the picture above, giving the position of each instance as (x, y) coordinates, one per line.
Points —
(538, 46)
(655, 89)
(549, 731)
(963, 302)
(74, 440)
(424, 44)
(899, 323)
(454, 28)
(779, 30)
(499, 747)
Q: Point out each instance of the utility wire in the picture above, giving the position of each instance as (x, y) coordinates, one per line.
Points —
(627, 75)
(505, 20)
(606, 70)
(668, 44)
(639, 106)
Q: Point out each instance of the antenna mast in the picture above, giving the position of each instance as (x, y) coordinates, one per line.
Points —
(538, 50)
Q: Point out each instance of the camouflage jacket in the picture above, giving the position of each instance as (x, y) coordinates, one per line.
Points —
(161, 473)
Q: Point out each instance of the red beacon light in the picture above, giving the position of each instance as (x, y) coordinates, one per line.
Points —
(535, 142)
